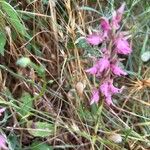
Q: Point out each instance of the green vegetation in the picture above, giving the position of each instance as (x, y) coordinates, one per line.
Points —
(44, 86)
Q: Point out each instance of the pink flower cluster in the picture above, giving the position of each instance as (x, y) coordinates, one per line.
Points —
(108, 66)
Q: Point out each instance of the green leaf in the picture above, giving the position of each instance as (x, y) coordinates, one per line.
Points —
(26, 104)
(13, 18)
(70, 44)
(89, 9)
(13, 142)
(2, 43)
(40, 129)
(84, 113)
(23, 62)
(41, 71)
(2, 22)
(40, 146)
(45, 2)
(81, 43)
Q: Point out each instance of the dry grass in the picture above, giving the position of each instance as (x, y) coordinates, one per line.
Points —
(62, 96)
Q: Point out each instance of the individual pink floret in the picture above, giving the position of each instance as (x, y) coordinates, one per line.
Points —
(94, 39)
(105, 26)
(108, 89)
(93, 70)
(117, 70)
(120, 12)
(104, 88)
(117, 17)
(103, 64)
(95, 96)
(123, 46)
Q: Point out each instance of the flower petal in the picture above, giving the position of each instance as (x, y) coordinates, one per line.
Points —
(108, 100)
(105, 24)
(105, 27)
(104, 88)
(117, 16)
(122, 46)
(120, 12)
(94, 39)
(103, 64)
(95, 96)
(93, 70)
(117, 70)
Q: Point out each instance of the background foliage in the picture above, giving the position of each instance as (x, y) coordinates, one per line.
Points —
(43, 85)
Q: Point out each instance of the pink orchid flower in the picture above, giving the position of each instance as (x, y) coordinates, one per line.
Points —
(93, 70)
(123, 46)
(103, 64)
(95, 96)
(94, 39)
(108, 89)
(104, 88)
(117, 16)
(3, 142)
(105, 24)
(117, 70)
